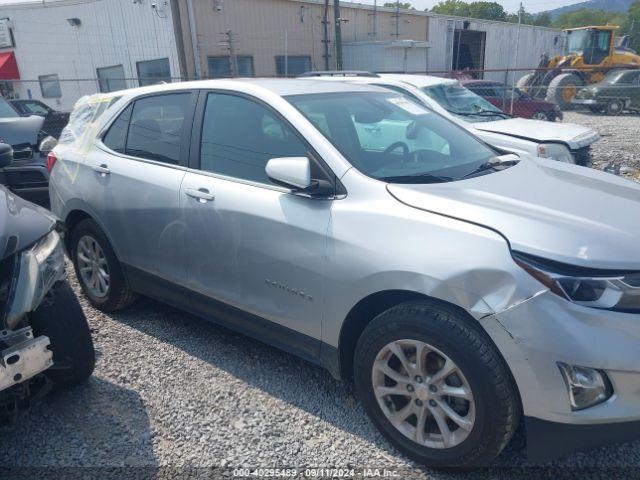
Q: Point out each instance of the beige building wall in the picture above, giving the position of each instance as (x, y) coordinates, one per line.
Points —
(265, 29)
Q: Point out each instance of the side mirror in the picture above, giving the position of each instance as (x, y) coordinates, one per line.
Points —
(47, 144)
(292, 172)
(6, 155)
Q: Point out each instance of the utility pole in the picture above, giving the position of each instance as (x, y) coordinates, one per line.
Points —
(194, 40)
(338, 27)
(374, 23)
(515, 60)
(397, 15)
(325, 34)
(230, 44)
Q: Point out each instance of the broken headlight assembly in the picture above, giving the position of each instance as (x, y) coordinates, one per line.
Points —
(617, 291)
(38, 269)
(555, 151)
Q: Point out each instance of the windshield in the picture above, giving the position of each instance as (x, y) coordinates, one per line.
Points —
(6, 110)
(392, 138)
(613, 76)
(463, 103)
(577, 41)
(35, 108)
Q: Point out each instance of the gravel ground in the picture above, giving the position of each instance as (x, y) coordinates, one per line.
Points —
(173, 395)
(618, 143)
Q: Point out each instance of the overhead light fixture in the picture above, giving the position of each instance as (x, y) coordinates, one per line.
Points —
(74, 22)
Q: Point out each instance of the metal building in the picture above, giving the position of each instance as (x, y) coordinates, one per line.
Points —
(59, 50)
(68, 48)
(254, 37)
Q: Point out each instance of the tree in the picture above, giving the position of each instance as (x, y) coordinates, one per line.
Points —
(487, 11)
(452, 7)
(631, 25)
(586, 16)
(401, 5)
(542, 19)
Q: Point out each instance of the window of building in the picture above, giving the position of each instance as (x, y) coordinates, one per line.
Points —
(111, 79)
(151, 72)
(292, 65)
(239, 137)
(50, 86)
(155, 130)
(220, 67)
(116, 136)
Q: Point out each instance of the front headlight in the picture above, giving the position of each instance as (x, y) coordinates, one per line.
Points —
(556, 151)
(606, 290)
(39, 268)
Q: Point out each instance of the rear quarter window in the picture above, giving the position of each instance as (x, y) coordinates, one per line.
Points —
(83, 123)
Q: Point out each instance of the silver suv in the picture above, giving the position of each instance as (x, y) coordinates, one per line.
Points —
(460, 287)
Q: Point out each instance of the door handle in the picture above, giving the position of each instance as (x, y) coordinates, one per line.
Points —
(202, 194)
(102, 169)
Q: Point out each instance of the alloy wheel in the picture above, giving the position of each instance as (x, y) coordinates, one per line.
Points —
(540, 116)
(423, 394)
(93, 266)
(615, 107)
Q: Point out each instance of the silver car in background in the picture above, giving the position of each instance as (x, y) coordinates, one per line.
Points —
(461, 289)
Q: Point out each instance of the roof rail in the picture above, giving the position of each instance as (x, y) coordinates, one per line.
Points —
(338, 73)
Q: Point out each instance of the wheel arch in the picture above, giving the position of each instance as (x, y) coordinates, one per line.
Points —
(368, 308)
(75, 214)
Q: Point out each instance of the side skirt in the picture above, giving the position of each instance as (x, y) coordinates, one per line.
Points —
(263, 330)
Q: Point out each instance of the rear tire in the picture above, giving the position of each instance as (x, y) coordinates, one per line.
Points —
(614, 107)
(495, 412)
(117, 294)
(60, 317)
(563, 88)
(523, 82)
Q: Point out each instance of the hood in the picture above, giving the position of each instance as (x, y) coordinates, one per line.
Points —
(553, 210)
(19, 130)
(21, 223)
(575, 136)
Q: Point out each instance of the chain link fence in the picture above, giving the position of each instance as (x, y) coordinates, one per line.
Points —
(609, 106)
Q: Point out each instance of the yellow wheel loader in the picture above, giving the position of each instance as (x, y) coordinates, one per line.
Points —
(588, 54)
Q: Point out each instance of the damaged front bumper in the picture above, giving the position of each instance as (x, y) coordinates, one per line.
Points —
(23, 356)
(534, 336)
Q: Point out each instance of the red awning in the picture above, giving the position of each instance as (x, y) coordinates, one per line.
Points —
(8, 66)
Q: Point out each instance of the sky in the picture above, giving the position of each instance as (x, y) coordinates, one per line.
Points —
(511, 6)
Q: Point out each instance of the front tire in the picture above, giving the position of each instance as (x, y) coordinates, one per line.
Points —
(544, 116)
(60, 317)
(435, 386)
(97, 268)
(563, 88)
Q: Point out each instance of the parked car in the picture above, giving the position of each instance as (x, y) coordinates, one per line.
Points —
(27, 176)
(524, 106)
(619, 91)
(44, 337)
(54, 120)
(563, 142)
(458, 286)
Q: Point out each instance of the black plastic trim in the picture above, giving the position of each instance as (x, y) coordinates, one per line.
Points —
(550, 440)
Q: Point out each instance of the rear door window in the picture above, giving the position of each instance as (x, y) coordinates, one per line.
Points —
(156, 127)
